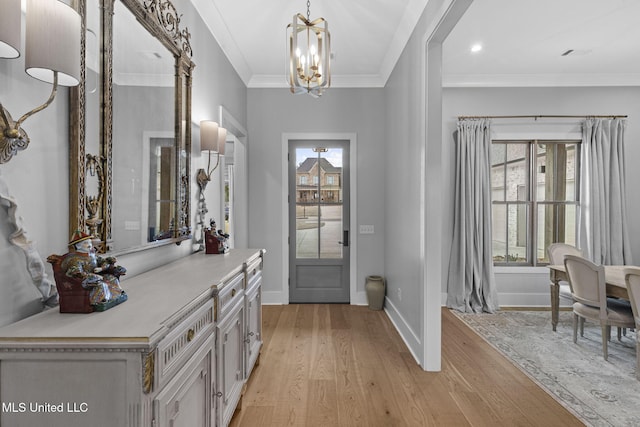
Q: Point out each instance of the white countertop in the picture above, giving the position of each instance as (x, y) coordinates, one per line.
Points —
(154, 298)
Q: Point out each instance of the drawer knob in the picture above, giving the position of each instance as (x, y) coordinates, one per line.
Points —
(233, 292)
(190, 334)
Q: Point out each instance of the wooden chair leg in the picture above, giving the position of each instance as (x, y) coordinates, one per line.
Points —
(575, 328)
(637, 357)
(605, 331)
(582, 320)
(555, 303)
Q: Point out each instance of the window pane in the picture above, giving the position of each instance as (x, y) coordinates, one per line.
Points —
(499, 232)
(307, 209)
(543, 170)
(546, 231)
(498, 163)
(517, 172)
(572, 172)
(570, 225)
(331, 209)
(556, 224)
(556, 172)
(517, 215)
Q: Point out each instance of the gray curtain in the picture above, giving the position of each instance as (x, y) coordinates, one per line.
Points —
(603, 231)
(471, 284)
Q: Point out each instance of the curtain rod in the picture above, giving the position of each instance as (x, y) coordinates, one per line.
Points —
(617, 116)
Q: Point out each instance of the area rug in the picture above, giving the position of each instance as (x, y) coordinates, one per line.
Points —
(598, 392)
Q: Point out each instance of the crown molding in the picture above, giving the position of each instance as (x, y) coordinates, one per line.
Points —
(218, 28)
(407, 25)
(540, 80)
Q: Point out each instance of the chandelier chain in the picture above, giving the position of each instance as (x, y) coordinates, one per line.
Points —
(308, 10)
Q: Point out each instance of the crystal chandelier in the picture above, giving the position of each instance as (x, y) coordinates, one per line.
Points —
(309, 55)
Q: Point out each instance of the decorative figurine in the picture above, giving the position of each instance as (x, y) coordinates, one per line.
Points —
(86, 282)
(216, 242)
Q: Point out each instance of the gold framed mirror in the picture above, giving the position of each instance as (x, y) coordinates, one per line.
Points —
(130, 147)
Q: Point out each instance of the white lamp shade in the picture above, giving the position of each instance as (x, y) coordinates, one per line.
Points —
(222, 140)
(52, 42)
(10, 19)
(209, 135)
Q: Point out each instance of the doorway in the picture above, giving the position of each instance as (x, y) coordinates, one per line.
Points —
(319, 226)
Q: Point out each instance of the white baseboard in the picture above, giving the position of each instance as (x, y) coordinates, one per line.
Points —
(413, 342)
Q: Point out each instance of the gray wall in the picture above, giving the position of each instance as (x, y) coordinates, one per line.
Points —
(273, 112)
(38, 177)
(412, 210)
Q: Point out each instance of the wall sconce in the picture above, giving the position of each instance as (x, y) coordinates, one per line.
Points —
(213, 139)
(52, 55)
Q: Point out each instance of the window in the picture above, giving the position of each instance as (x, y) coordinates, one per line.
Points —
(535, 198)
(330, 180)
(303, 180)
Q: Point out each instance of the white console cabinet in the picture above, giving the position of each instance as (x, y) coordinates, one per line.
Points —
(177, 353)
(253, 307)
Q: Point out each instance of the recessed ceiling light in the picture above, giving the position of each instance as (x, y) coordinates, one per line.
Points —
(476, 48)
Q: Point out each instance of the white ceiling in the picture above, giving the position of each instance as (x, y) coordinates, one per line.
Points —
(523, 40)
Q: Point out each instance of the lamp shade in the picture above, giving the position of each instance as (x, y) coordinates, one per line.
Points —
(209, 135)
(52, 42)
(10, 19)
(222, 140)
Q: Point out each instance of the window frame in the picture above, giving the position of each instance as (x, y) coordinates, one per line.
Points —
(532, 203)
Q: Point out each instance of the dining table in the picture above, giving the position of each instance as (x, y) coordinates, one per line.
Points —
(613, 276)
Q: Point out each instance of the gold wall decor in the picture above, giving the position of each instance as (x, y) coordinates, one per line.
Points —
(96, 135)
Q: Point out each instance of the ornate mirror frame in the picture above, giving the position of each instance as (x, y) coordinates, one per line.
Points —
(93, 213)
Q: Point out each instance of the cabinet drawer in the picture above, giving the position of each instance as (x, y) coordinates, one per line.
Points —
(254, 272)
(184, 340)
(231, 292)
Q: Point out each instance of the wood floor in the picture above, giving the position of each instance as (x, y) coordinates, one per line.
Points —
(342, 365)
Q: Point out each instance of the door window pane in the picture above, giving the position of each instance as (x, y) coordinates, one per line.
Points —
(319, 209)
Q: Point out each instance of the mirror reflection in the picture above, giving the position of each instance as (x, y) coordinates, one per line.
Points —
(143, 135)
(129, 148)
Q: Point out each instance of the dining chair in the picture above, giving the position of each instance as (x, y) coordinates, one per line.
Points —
(588, 288)
(632, 279)
(556, 253)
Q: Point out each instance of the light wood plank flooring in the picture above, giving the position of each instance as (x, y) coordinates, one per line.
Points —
(342, 365)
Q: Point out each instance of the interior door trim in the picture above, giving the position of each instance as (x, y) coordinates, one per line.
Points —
(356, 298)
